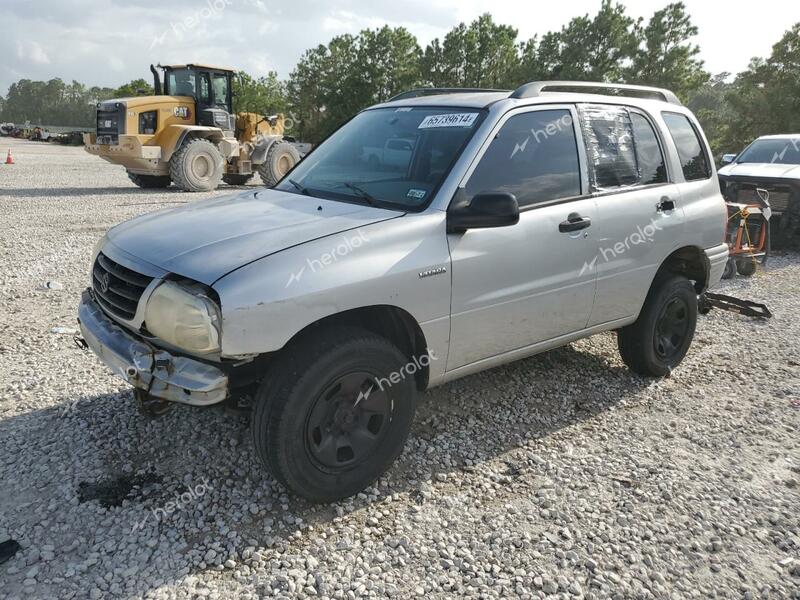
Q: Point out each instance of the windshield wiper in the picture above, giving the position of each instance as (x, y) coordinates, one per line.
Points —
(299, 187)
(371, 200)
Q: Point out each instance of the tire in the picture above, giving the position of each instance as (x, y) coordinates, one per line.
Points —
(281, 158)
(308, 415)
(237, 179)
(746, 267)
(197, 166)
(730, 269)
(150, 181)
(659, 339)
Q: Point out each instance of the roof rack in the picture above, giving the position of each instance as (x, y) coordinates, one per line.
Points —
(537, 88)
(432, 91)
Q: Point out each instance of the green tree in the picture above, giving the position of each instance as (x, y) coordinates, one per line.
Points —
(586, 49)
(132, 88)
(483, 54)
(263, 95)
(666, 56)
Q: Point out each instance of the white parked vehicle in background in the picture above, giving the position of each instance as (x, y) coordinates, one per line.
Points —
(772, 163)
(520, 221)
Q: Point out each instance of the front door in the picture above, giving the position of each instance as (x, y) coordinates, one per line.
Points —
(516, 286)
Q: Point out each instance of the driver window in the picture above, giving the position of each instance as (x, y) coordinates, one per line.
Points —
(534, 156)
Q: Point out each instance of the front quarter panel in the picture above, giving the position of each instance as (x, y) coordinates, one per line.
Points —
(266, 303)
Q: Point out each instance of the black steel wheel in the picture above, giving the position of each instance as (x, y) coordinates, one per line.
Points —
(348, 421)
(333, 412)
(671, 328)
(659, 339)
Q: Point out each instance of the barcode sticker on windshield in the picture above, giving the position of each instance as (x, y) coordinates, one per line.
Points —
(448, 120)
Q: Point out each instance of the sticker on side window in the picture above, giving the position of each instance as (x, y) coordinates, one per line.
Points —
(448, 120)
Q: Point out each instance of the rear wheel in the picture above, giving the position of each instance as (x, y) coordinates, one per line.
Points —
(281, 158)
(746, 267)
(150, 181)
(197, 166)
(730, 269)
(328, 421)
(659, 339)
(237, 179)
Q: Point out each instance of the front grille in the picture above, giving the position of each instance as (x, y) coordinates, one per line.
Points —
(110, 124)
(779, 195)
(117, 288)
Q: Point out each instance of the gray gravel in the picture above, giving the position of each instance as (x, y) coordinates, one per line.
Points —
(560, 475)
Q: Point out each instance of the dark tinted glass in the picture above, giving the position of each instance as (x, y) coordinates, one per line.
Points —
(534, 157)
(783, 151)
(648, 152)
(690, 150)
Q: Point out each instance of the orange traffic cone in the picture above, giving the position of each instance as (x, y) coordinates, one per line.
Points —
(9, 160)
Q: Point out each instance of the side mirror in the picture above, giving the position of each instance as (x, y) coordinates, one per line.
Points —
(487, 209)
(728, 158)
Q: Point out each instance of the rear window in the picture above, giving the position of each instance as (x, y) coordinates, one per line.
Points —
(694, 161)
(608, 132)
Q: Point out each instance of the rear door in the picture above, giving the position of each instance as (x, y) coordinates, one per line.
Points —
(523, 284)
(639, 209)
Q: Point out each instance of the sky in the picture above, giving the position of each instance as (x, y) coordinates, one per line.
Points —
(111, 42)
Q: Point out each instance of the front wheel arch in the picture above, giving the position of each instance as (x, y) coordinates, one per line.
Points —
(391, 322)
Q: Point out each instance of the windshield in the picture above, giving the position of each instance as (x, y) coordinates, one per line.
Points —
(393, 157)
(779, 151)
(180, 82)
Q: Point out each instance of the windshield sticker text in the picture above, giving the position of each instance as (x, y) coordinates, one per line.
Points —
(449, 120)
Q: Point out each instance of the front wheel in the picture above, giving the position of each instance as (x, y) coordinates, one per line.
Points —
(281, 158)
(659, 339)
(334, 413)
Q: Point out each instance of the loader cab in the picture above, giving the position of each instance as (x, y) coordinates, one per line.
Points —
(211, 88)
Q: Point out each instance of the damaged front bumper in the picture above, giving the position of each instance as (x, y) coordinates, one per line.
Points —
(156, 371)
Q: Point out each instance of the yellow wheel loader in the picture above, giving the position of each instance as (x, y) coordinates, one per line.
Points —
(187, 134)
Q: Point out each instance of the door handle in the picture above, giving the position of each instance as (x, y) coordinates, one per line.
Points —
(574, 222)
(666, 204)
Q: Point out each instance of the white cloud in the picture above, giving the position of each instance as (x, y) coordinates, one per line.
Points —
(74, 38)
(31, 51)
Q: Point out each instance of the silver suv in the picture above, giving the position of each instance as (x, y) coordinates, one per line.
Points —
(509, 224)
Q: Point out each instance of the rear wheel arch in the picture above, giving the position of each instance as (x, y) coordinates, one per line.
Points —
(689, 261)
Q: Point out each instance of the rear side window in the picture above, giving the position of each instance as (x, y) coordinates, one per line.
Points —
(648, 151)
(694, 160)
(608, 132)
(534, 156)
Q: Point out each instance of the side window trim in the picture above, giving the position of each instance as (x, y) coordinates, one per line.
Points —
(582, 160)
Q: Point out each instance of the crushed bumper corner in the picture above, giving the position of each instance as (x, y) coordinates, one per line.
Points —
(156, 371)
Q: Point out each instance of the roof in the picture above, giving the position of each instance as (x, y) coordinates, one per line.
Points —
(540, 92)
(199, 65)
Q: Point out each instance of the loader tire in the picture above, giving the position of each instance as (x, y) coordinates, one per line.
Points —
(281, 158)
(150, 181)
(237, 179)
(197, 166)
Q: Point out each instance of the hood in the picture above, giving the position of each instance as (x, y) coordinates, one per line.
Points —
(766, 170)
(138, 101)
(208, 239)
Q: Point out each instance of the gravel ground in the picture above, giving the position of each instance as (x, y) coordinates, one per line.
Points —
(560, 475)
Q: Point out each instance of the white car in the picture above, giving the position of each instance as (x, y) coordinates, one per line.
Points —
(771, 162)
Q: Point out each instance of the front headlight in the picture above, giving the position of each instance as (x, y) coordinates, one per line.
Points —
(183, 317)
